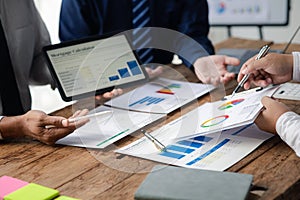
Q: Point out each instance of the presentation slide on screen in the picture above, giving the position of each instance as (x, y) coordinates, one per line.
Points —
(235, 12)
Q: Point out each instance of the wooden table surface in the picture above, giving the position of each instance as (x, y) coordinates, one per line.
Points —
(101, 174)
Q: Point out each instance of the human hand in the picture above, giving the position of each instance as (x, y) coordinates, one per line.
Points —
(35, 124)
(267, 119)
(212, 69)
(154, 72)
(109, 95)
(272, 69)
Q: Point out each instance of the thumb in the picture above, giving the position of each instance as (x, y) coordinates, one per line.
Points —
(267, 102)
(232, 61)
(55, 120)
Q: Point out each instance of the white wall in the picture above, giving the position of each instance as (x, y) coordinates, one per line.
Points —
(49, 10)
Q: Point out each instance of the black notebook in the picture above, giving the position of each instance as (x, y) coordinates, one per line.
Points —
(168, 182)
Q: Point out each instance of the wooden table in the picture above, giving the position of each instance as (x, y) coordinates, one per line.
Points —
(102, 174)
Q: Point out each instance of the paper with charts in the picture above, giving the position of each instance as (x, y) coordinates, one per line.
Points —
(216, 151)
(241, 110)
(102, 131)
(160, 96)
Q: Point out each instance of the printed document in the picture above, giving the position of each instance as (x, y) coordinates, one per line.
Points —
(160, 96)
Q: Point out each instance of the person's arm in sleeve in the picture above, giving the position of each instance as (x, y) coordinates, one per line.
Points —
(38, 125)
(288, 128)
(195, 25)
(276, 118)
(197, 51)
(77, 19)
(39, 73)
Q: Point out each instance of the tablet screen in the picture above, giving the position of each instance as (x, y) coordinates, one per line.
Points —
(89, 67)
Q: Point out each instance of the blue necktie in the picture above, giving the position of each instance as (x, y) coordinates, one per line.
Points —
(141, 37)
(11, 102)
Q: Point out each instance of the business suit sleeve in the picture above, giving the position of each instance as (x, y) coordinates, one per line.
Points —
(39, 73)
(194, 23)
(77, 19)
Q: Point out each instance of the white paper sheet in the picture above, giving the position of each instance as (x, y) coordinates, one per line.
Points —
(160, 96)
(103, 131)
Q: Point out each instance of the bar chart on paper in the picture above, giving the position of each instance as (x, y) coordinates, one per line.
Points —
(148, 100)
(213, 152)
(184, 147)
(160, 96)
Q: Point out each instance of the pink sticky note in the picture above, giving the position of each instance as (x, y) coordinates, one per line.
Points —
(9, 185)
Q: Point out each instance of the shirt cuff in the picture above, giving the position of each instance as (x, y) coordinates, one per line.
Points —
(296, 66)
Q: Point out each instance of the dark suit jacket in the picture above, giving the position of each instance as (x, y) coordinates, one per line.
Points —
(82, 18)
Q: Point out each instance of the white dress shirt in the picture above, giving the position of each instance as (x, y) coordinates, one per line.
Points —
(288, 124)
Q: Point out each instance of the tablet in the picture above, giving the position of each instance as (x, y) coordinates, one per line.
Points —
(93, 66)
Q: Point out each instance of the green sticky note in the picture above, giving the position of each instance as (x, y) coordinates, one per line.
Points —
(65, 198)
(33, 191)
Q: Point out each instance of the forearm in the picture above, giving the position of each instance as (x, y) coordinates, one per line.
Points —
(194, 25)
(287, 127)
(11, 127)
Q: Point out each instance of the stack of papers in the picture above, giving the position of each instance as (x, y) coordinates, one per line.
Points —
(155, 100)
(160, 96)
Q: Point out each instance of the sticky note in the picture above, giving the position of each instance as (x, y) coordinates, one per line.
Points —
(65, 198)
(9, 185)
(33, 191)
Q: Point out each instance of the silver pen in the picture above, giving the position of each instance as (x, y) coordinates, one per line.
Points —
(155, 141)
(263, 51)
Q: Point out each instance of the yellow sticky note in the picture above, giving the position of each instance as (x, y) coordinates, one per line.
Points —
(33, 191)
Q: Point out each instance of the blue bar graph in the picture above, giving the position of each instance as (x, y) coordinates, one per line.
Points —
(148, 100)
(124, 72)
(114, 78)
(190, 144)
(184, 147)
(212, 150)
(180, 149)
(134, 68)
(171, 155)
(202, 138)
